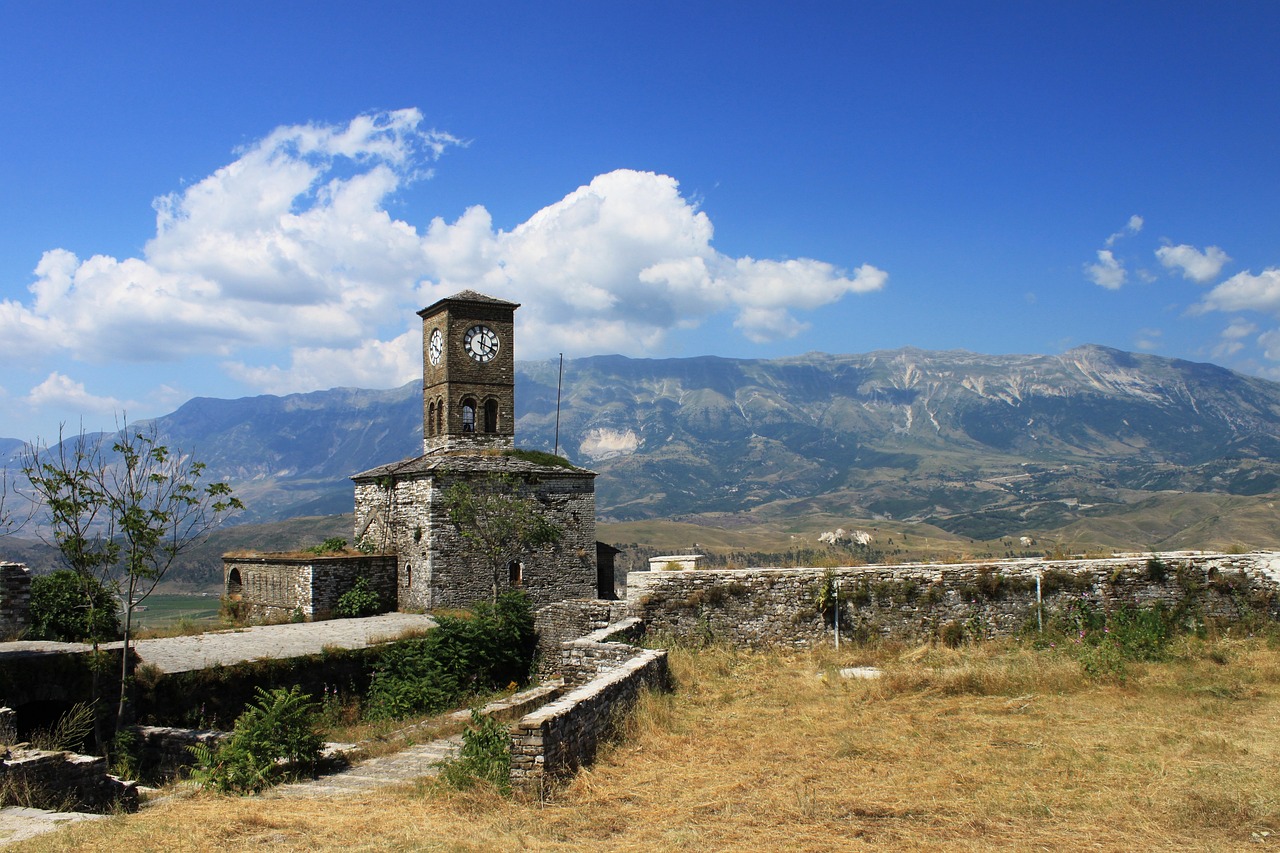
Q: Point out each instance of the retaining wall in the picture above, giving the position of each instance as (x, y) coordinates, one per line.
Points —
(758, 607)
(62, 779)
(550, 744)
(563, 621)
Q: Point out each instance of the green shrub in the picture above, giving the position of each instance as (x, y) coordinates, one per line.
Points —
(332, 545)
(488, 650)
(70, 607)
(485, 756)
(274, 739)
(358, 601)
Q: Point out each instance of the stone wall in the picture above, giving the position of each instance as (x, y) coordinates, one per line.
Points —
(15, 600)
(164, 752)
(272, 587)
(405, 513)
(563, 621)
(66, 781)
(755, 607)
(550, 744)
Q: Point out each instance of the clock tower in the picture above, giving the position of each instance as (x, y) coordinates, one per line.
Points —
(468, 373)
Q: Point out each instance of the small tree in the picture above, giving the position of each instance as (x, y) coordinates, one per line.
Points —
(499, 521)
(123, 521)
(70, 608)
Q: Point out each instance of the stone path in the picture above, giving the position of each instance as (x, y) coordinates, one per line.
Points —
(180, 654)
(394, 769)
(18, 823)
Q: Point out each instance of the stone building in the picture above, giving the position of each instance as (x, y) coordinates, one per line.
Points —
(468, 431)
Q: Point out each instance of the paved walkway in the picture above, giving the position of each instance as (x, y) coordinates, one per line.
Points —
(181, 654)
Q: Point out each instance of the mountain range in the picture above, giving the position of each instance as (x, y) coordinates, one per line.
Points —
(981, 446)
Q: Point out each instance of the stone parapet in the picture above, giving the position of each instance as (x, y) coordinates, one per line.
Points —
(794, 607)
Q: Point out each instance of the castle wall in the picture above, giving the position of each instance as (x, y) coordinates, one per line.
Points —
(15, 600)
(761, 607)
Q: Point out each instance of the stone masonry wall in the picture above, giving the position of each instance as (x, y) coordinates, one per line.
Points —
(565, 621)
(273, 587)
(15, 600)
(551, 743)
(758, 607)
(56, 779)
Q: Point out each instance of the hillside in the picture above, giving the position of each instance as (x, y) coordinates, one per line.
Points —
(1103, 446)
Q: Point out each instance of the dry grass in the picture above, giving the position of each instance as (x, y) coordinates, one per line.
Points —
(972, 749)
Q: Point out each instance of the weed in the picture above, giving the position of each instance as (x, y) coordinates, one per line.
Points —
(275, 738)
(358, 601)
(485, 756)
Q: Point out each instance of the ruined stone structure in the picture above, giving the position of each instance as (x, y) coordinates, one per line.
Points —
(401, 509)
(15, 600)
(923, 602)
(275, 587)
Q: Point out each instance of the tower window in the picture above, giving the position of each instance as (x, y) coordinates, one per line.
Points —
(431, 418)
(440, 425)
(491, 416)
(515, 573)
(468, 415)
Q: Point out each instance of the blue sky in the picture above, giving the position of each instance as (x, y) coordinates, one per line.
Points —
(239, 198)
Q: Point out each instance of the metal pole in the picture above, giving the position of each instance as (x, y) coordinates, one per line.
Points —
(1039, 606)
(559, 385)
(837, 586)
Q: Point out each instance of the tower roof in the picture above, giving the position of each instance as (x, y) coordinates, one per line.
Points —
(466, 296)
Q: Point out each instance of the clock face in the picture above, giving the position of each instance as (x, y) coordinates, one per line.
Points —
(436, 348)
(481, 343)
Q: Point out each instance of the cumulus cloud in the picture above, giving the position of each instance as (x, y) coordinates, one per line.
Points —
(1108, 272)
(1246, 292)
(59, 391)
(1148, 339)
(1200, 267)
(290, 248)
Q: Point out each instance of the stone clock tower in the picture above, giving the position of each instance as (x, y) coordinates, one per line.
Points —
(468, 373)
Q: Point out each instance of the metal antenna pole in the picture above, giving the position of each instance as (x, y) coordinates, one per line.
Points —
(559, 385)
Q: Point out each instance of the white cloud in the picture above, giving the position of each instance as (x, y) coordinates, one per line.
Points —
(1200, 267)
(1246, 292)
(1108, 272)
(1148, 339)
(372, 364)
(1133, 226)
(290, 248)
(58, 391)
(1233, 337)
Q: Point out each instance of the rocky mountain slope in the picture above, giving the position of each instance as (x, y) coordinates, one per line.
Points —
(979, 445)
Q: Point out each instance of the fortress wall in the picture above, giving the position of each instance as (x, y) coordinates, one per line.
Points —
(760, 607)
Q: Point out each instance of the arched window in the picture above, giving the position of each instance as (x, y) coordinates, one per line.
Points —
(515, 573)
(431, 419)
(468, 415)
(490, 415)
(440, 424)
(235, 587)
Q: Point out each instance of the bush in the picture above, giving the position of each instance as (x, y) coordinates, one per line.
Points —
(275, 738)
(485, 756)
(358, 601)
(488, 650)
(61, 603)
